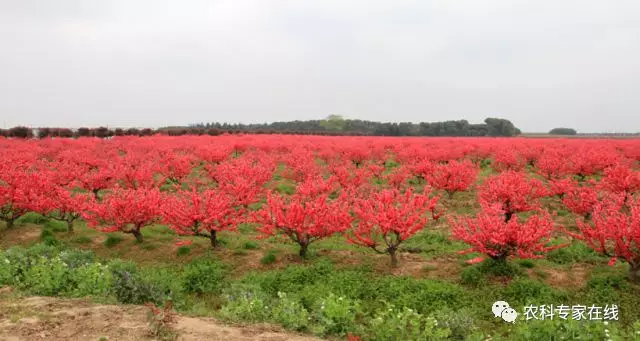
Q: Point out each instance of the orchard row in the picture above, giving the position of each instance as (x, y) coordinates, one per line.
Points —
(376, 192)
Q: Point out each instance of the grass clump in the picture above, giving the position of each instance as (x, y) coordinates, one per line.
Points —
(183, 250)
(576, 252)
(250, 245)
(81, 240)
(32, 218)
(269, 258)
(113, 240)
(204, 276)
(56, 226)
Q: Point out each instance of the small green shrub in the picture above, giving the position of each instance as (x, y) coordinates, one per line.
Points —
(473, 276)
(77, 258)
(526, 263)
(183, 250)
(113, 240)
(90, 280)
(56, 226)
(526, 291)
(461, 323)
(133, 286)
(250, 245)
(245, 302)
(32, 218)
(204, 276)
(336, 315)
(5, 270)
(396, 324)
(128, 288)
(290, 313)
(120, 265)
(46, 233)
(52, 241)
(165, 283)
(269, 258)
(493, 267)
(47, 277)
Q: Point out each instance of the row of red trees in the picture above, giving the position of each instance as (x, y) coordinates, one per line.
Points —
(375, 192)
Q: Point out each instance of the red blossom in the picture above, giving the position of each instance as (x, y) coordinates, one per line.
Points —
(614, 232)
(388, 218)
(126, 210)
(303, 218)
(491, 235)
(455, 176)
(511, 192)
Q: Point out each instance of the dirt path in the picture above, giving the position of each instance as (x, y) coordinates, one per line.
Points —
(55, 319)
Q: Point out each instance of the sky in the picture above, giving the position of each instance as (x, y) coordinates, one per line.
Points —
(152, 63)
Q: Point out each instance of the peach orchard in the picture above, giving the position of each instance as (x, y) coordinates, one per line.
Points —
(375, 192)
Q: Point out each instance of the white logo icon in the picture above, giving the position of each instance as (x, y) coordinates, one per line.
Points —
(509, 315)
(503, 310)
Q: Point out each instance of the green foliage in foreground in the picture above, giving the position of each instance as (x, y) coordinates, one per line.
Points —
(321, 299)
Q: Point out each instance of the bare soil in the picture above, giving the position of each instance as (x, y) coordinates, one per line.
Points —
(55, 319)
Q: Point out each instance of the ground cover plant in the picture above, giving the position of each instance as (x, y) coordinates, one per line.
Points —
(342, 237)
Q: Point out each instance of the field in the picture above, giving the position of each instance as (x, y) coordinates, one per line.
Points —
(356, 238)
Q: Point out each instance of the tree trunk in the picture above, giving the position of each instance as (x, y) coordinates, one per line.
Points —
(303, 250)
(213, 238)
(69, 225)
(634, 272)
(508, 216)
(500, 258)
(95, 193)
(394, 257)
(10, 223)
(136, 233)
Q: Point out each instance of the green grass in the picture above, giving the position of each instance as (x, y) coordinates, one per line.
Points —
(56, 226)
(575, 252)
(432, 243)
(240, 252)
(460, 301)
(81, 240)
(148, 246)
(113, 240)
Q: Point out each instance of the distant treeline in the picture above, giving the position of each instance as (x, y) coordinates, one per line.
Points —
(333, 125)
(103, 132)
(336, 125)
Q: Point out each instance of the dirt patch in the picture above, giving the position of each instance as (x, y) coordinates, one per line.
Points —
(55, 319)
(20, 234)
(416, 266)
(575, 277)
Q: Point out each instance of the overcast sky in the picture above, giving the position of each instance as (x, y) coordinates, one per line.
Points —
(540, 64)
